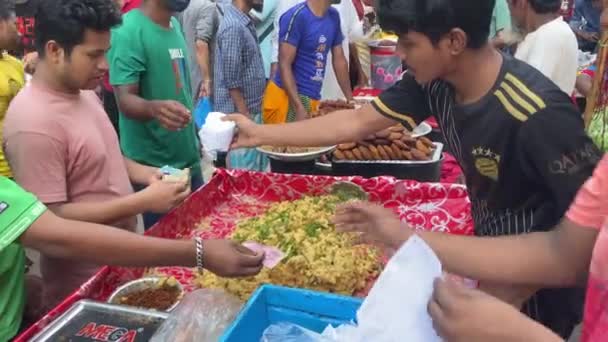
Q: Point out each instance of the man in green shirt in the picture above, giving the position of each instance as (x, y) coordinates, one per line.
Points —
(149, 71)
(25, 222)
(501, 22)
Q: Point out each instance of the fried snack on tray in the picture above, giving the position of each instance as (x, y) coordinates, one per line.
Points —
(394, 143)
(328, 106)
(317, 257)
(290, 150)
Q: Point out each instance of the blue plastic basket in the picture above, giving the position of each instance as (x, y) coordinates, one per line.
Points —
(271, 304)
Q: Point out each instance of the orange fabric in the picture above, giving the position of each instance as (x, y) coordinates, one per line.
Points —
(276, 108)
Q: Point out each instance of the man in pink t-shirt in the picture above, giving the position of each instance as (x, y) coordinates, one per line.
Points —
(62, 147)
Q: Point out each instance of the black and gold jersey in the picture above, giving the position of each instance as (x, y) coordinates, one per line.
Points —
(522, 147)
(524, 153)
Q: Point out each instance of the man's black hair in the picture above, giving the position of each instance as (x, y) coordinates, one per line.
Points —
(65, 21)
(7, 9)
(435, 18)
(545, 6)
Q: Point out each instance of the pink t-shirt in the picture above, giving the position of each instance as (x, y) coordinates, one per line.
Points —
(63, 148)
(590, 209)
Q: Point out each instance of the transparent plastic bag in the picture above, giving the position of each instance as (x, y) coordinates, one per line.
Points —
(288, 332)
(202, 316)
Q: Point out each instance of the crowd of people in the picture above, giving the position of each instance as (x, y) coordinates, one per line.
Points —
(110, 101)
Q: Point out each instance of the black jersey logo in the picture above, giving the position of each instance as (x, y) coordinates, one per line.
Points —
(486, 162)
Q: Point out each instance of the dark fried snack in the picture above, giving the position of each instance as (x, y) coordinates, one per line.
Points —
(339, 155)
(349, 155)
(366, 153)
(375, 152)
(383, 154)
(382, 142)
(347, 146)
(395, 136)
(401, 145)
(427, 142)
(423, 148)
(419, 155)
(357, 152)
(396, 151)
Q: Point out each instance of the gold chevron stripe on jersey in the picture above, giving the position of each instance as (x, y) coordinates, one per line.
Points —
(516, 113)
(526, 91)
(394, 114)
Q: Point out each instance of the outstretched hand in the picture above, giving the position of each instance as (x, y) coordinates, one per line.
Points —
(247, 133)
(376, 224)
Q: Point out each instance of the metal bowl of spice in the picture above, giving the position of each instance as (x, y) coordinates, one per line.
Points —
(155, 293)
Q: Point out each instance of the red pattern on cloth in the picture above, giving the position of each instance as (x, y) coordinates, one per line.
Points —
(233, 195)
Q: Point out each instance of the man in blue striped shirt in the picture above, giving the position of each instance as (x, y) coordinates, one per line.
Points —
(239, 74)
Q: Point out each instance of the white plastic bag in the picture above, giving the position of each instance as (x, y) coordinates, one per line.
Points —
(202, 316)
(216, 135)
(395, 309)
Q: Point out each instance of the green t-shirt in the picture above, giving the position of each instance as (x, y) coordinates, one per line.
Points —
(18, 210)
(501, 18)
(156, 58)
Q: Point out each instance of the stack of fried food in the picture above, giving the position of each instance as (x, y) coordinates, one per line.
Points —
(328, 106)
(394, 143)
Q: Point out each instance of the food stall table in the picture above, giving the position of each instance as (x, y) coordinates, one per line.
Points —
(232, 195)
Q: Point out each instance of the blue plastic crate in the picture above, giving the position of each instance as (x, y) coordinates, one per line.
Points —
(271, 304)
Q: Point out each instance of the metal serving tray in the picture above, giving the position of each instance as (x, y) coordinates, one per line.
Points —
(93, 321)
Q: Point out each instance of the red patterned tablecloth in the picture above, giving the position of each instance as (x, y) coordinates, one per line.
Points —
(233, 195)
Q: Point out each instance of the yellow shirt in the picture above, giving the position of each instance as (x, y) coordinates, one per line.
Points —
(12, 79)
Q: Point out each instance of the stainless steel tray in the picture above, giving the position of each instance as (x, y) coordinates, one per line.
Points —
(94, 321)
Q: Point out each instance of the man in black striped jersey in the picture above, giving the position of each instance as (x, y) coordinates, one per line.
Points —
(519, 139)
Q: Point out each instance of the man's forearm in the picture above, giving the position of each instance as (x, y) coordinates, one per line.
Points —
(138, 173)
(337, 127)
(106, 212)
(343, 77)
(239, 101)
(68, 239)
(289, 85)
(202, 57)
(528, 259)
(134, 107)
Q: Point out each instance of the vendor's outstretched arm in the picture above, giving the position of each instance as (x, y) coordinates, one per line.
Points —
(557, 258)
(337, 127)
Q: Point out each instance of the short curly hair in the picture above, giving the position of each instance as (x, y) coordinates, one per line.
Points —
(65, 21)
(435, 18)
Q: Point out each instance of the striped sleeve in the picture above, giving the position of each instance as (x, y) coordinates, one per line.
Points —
(18, 210)
(405, 102)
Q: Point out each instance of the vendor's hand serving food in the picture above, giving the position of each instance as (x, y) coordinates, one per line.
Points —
(376, 224)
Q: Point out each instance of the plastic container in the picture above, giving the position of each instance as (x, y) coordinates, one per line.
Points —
(422, 171)
(273, 304)
(216, 135)
(386, 66)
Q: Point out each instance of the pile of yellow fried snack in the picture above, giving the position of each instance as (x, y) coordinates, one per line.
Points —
(317, 257)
